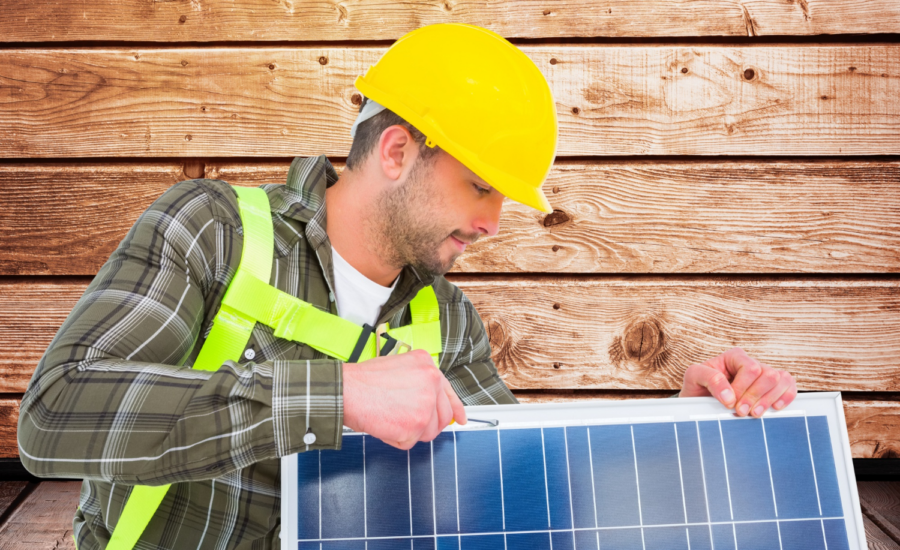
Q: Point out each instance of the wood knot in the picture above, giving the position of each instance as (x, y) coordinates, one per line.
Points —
(271, 66)
(188, 137)
(643, 340)
(499, 344)
(553, 61)
(184, 63)
(684, 70)
(749, 74)
(852, 69)
(547, 12)
(575, 110)
(555, 248)
(557, 217)
(182, 19)
(556, 306)
(323, 60)
(356, 99)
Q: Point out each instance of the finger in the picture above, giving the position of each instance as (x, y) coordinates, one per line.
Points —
(444, 410)
(745, 370)
(760, 407)
(765, 382)
(787, 397)
(459, 410)
(705, 380)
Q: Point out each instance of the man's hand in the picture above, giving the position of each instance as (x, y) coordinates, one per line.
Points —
(753, 387)
(400, 399)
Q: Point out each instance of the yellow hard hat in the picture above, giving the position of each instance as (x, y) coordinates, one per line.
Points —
(478, 97)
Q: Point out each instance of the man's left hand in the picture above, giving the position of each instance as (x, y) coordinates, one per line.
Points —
(740, 382)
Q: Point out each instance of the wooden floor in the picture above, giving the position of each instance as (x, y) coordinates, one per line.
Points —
(38, 516)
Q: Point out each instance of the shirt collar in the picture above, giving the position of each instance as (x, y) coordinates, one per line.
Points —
(302, 199)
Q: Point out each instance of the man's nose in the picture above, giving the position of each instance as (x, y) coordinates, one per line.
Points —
(488, 222)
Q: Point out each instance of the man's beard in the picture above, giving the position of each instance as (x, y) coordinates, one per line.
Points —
(404, 231)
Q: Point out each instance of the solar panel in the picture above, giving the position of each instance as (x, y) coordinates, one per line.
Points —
(587, 476)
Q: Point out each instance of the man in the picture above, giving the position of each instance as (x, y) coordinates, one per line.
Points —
(114, 400)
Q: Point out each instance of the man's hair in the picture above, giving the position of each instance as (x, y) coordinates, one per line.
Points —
(369, 132)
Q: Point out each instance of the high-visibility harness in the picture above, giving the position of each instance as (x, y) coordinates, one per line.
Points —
(249, 300)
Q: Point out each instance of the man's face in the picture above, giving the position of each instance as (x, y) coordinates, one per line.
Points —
(432, 216)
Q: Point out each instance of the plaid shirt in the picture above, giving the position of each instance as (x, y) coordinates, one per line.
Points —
(114, 400)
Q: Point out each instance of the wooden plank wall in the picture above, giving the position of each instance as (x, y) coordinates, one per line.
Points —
(728, 174)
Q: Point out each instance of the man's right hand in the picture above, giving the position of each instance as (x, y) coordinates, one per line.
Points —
(400, 399)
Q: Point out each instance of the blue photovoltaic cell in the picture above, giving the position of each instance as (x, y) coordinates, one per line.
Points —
(792, 472)
(666, 538)
(748, 471)
(692, 472)
(802, 535)
(826, 475)
(700, 537)
(651, 486)
(713, 464)
(615, 484)
(757, 536)
(659, 474)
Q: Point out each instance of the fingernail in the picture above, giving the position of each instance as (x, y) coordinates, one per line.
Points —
(727, 396)
(743, 409)
(758, 411)
(779, 405)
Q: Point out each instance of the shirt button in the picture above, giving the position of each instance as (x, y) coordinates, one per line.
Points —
(249, 354)
(309, 438)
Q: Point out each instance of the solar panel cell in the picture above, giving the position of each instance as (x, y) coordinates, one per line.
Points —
(792, 472)
(616, 488)
(692, 473)
(659, 474)
(623, 486)
(748, 470)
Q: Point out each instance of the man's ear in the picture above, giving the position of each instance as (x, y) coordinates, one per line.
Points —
(397, 151)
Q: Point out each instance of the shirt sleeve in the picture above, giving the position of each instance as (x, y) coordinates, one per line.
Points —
(472, 372)
(111, 398)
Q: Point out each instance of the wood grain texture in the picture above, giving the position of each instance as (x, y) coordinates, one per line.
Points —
(9, 419)
(44, 520)
(876, 539)
(612, 217)
(66, 219)
(608, 332)
(643, 332)
(611, 100)
(9, 490)
(258, 20)
(872, 424)
(880, 501)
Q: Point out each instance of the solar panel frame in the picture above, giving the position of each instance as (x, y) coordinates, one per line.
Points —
(615, 416)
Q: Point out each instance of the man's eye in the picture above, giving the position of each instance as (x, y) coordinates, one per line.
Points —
(481, 190)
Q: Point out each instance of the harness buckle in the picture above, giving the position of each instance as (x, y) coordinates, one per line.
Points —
(367, 331)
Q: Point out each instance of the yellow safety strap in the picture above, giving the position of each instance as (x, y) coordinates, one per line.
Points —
(248, 300)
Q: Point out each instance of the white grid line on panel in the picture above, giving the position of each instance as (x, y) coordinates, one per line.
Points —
(637, 486)
(569, 476)
(539, 531)
(456, 480)
(502, 499)
(433, 498)
(546, 485)
(812, 462)
(409, 486)
(681, 477)
(365, 504)
(320, 494)
(727, 483)
(769, 464)
(705, 495)
(593, 491)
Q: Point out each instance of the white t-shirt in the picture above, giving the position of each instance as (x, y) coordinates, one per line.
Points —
(359, 299)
